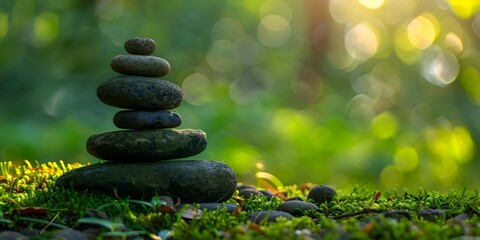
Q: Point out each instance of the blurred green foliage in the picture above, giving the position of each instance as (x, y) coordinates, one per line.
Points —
(379, 92)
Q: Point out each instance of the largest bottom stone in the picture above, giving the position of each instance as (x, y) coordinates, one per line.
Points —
(193, 181)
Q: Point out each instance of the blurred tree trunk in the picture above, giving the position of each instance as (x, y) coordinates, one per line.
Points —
(308, 88)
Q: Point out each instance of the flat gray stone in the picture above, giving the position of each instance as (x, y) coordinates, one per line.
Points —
(140, 93)
(140, 45)
(193, 181)
(129, 119)
(147, 145)
(268, 216)
(296, 207)
(139, 65)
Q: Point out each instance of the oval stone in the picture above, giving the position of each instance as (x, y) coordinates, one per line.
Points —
(431, 214)
(141, 93)
(146, 119)
(296, 207)
(140, 46)
(147, 145)
(148, 66)
(269, 216)
(193, 181)
(230, 208)
(321, 194)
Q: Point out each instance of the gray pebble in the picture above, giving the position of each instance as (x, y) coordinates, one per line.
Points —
(190, 180)
(397, 214)
(212, 206)
(140, 93)
(269, 216)
(129, 119)
(296, 207)
(249, 192)
(431, 214)
(140, 45)
(148, 66)
(147, 145)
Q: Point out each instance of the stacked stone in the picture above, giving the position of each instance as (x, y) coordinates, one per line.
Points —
(144, 160)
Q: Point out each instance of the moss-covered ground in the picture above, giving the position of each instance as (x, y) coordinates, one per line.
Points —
(30, 203)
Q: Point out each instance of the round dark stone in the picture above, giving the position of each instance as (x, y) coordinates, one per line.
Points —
(211, 206)
(140, 45)
(267, 193)
(269, 216)
(148, 66)
(294, 199)
(249, 192)
(296, 207)
(193, 181)
(397, 214)
(146, 119)
(321, 194)
(140, 93)
(147, 145)
(431, 214)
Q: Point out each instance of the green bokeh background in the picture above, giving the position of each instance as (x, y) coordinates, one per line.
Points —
(383, 93)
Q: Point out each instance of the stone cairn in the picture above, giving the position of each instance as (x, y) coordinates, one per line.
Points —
(144, 161)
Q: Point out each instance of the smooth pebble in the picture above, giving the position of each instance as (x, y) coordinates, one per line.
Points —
(130, 119)
(147, 145)
(140, 46)
(140, 93)
(321, 194)
(191, 181)
(269, 216)
(296, 207)
(138, 65)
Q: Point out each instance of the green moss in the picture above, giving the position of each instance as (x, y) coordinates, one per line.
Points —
(30, 199)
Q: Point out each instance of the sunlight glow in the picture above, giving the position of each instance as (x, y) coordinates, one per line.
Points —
(274, 31)
(421, 32)
(440, 68)
(361, 42)
(372, 4)
(454, 42)
(404, 48)
(464, 8)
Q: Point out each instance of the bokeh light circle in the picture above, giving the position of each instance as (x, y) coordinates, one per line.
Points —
(361, 42)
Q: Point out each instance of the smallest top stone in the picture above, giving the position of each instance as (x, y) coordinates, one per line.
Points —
(140, 46)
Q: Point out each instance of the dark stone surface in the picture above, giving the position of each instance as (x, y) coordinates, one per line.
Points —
(140, 46)
(140, 93)
(193, 181)
(249, 192)
(211, 206)
(148, 66)
(296, 207)
(146, 119)
(147, 145)
(431, 214)
(321, 194)
(269, 216)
